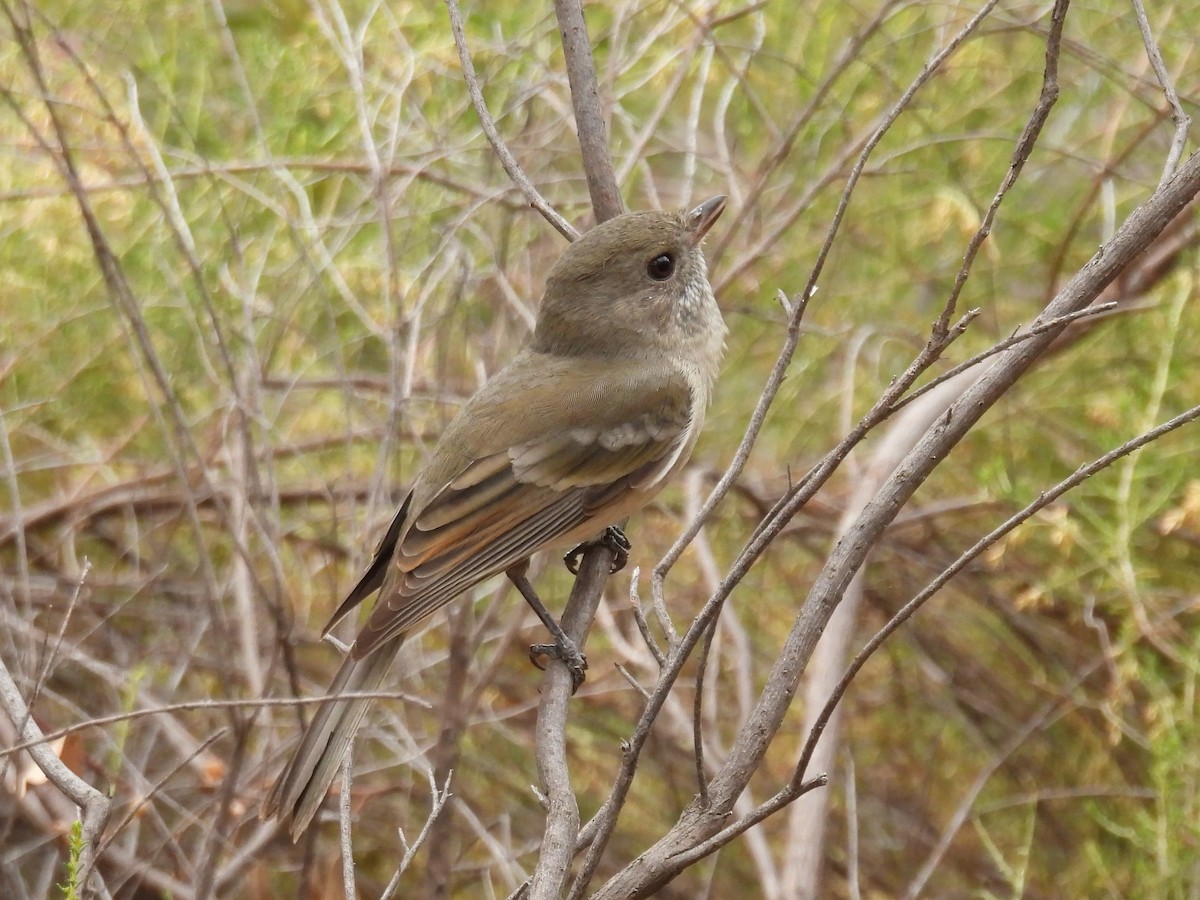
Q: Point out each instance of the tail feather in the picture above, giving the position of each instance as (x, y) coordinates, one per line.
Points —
(303, 784)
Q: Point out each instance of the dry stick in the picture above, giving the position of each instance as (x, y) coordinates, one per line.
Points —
(440, 797)
(746, 50)
(306, 227)
(589, 116)
(226, 171)
(218, 827)
(1044, 499)
(1178, 115)
(93, 805)
(536, 200)
(56, 645)
(641, 140)
(143, 497)
(247, 853)
(18, 592)
(457, 706)
(1078, 217)
(999, 347)
(146, 797)
(345, 817)
(847, 57)
(852, 876)
(1045, 715)
(643, 626)
(602, 825)
(169, 709)
(808, 823)
(562, 809)
(660, 863)
(698, 712)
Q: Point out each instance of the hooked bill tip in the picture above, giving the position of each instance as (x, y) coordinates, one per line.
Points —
(703, 216)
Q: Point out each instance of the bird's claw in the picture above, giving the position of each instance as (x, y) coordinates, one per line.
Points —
(613, 538)
(570, 656)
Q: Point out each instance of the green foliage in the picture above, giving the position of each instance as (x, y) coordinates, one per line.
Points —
(71, 887)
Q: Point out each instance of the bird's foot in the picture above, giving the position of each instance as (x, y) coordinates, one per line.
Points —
(566, 651)
(613, 538)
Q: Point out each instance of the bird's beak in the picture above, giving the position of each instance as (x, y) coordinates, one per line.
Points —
(702, 217)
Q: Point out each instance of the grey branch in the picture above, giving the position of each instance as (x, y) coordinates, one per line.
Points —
(589, 117)
(93, 805)
(519, 178)
(658, 864)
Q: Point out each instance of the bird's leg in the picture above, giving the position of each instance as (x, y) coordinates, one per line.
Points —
(613, 538)
(563, 647)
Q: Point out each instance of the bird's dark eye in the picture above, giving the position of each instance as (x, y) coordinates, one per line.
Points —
(661, 267)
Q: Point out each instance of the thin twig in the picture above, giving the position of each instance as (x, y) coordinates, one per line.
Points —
(93, 805)
(698, 714)
(1020, 155)
(345, 818)
(507, 160)
(440, 797)
(1179, 116)
(779, 154)
(1000, 346)
(633, 682)
(187, 706)
(1044, 499)
(639, 618)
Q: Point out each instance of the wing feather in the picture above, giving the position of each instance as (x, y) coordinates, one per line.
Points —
(504, 505)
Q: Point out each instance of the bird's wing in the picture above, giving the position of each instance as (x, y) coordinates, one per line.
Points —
(373, 578)
(502, 507)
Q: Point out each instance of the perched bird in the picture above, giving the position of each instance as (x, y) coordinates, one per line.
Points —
(582, 428)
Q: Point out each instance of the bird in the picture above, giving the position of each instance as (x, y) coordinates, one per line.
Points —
(583, 427)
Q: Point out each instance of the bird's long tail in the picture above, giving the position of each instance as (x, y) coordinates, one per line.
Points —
(301, 788)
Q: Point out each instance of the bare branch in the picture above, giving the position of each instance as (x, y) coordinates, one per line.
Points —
(658, 864)
(639, 618)
(562, 813)
(345, 818)
(589, 116)
(999, 347)
(1182, 120)
(440, 796)
(519, 178)
(168, 709)
(1080, 475)
(93, 805)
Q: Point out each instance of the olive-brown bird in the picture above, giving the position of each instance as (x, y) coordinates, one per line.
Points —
(581, 429)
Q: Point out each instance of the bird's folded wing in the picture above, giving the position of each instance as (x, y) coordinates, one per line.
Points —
(372, 579)
(503, 507)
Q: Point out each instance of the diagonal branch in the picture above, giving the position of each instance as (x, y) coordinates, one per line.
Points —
(660, 863)
(507, 160)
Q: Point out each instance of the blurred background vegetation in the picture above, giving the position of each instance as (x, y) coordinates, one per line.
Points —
(317, 257)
